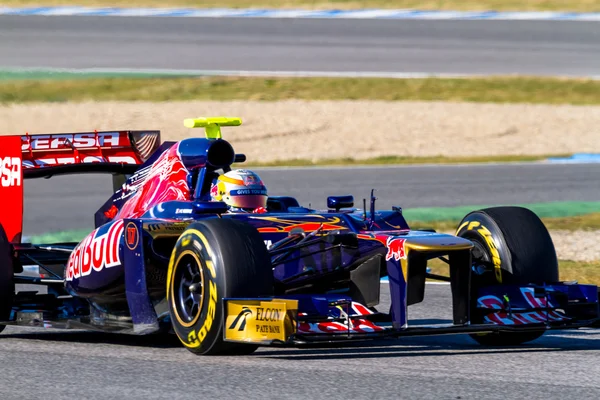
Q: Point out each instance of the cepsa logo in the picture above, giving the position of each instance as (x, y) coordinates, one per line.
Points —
(395, 249)
(96, 252)
(49, 143)
(10, 171)
(70, 140)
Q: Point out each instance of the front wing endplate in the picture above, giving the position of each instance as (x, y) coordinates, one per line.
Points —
(261, 321)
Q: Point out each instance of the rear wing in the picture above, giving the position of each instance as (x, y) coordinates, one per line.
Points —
(35, 156)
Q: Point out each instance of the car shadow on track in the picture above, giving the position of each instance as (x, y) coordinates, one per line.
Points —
(447, 345)
(450, 345)
(162, 340)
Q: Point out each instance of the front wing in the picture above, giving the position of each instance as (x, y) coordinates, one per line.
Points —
(301, 319)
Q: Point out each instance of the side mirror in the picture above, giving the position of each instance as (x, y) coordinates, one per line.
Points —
(338, 202)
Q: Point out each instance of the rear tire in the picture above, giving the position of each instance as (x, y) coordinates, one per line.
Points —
(219, 258)
(7, 286)
(516, 242)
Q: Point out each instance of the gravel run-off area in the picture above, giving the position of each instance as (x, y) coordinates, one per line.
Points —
(335, 129)
(577, 245)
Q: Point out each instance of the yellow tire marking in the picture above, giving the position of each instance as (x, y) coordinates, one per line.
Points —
(194, 338)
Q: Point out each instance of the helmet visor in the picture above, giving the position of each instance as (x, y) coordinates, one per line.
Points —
(248, 201)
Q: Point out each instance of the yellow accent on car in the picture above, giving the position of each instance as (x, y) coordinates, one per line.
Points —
(212, 125)
(195, 337)
(260, 321)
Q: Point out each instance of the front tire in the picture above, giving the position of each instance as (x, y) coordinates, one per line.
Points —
(214, 259)
(517, 244)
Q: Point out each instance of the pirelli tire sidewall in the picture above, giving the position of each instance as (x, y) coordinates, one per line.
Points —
(481, 228)
(204, 332)
(234, 262)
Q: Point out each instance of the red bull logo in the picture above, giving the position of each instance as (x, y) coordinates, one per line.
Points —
(214, 191)
(96, 252)
(395, 249)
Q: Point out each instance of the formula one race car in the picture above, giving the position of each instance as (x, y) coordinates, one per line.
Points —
(163, 257)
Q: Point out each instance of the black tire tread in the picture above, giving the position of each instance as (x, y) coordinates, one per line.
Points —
(243, 265)
(531, 247)
(532, 260)
(244, 260)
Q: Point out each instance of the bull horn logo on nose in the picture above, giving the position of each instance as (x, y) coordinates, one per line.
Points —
(395, 249)
(241, 318)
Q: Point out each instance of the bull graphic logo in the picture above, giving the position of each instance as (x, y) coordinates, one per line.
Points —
(132, 235)
(214, 190)
(241, 319)
(395, 249)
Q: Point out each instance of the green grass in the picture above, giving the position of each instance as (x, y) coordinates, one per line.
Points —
(580, 271)
(584, 210)
(570, 223)
(531, 5)
(493, 90)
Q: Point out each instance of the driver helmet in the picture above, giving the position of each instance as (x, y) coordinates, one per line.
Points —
(240, 189)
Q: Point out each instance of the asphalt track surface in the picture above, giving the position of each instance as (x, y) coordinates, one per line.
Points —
(434, 47)
(69, 202)
(73, 364)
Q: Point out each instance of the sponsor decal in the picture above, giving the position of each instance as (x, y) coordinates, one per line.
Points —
(183, 211)
(268, 243)
(111, 212)
(10, 171)
(166, 228)
(196, 338)
(245, 192)
(251, 179)
(214, 192)
(259, 321)
(42, 162)
(269, 315)
(71, 141)
(96, 252)
(395, 249)
(132, 235)
(241, 319)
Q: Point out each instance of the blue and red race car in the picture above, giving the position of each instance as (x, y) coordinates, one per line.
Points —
(163, 257)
